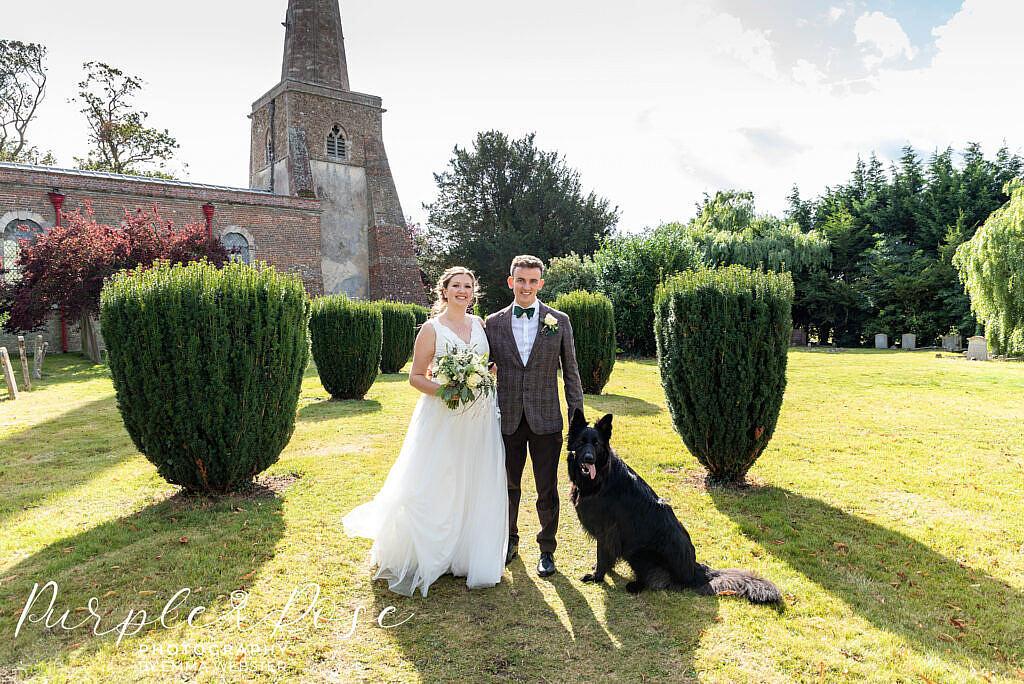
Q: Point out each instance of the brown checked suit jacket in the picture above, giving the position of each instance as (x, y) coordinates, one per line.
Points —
(533, 389)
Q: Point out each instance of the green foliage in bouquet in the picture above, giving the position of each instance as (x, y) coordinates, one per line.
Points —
(593, 328)
(463, 377)
(207, 365)
(347, 341)
(399, 335)
(722, 341)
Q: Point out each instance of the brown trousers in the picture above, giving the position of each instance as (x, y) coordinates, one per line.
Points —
(544, 452)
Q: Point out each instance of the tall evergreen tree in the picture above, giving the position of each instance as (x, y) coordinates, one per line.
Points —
(506, 197)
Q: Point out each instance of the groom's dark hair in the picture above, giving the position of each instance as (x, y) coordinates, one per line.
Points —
(526, 261)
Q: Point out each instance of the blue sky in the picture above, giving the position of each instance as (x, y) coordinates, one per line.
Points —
(654, 103)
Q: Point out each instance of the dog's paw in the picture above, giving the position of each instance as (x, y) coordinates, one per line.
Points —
(635, 587)
(591, 577)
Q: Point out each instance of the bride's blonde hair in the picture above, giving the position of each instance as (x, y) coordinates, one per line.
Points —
(441, 300)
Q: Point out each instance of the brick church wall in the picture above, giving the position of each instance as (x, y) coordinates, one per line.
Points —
(283, 231)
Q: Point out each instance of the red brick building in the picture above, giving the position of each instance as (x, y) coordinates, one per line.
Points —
(322, 202)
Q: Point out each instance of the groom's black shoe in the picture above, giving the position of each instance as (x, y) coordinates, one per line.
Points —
(513, 551)
(546, 566)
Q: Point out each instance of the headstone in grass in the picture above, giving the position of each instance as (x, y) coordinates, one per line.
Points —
(26, 376)
(5, 367)
(881, 341)
(908, 342)
(977, 348)
(37, 359)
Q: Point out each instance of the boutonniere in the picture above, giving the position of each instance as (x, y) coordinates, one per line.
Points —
(550, 325)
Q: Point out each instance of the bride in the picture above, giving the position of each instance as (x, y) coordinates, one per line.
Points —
(444, 505)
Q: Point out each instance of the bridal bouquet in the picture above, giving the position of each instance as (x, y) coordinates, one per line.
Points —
(463, 377)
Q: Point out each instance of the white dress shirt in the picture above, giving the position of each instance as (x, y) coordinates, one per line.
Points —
(525, 330)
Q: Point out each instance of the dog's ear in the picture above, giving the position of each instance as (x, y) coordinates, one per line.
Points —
(604, 427)
(578, 423)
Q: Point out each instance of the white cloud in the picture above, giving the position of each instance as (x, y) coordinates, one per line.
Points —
(884, 37)
(834, 14)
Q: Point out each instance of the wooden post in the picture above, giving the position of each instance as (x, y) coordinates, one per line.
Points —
(24, 362)
(5, 368)
(37, 358)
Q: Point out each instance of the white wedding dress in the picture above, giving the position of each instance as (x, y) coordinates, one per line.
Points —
(444, 505)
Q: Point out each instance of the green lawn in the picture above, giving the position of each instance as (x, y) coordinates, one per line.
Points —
(888, 508)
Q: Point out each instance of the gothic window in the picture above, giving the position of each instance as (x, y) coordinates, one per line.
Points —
(337, 145)
(237, 246)
(18, 229)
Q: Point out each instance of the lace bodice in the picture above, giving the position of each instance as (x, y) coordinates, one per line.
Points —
(446, 339)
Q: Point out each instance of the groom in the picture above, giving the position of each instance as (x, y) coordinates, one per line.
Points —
(529, 341)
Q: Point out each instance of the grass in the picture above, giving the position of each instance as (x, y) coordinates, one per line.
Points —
(887, 508)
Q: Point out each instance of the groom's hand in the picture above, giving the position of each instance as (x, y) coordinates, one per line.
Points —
(493, 368)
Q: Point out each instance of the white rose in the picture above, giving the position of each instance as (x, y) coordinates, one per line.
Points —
(442, 379)
(473, 381)
(549, 320)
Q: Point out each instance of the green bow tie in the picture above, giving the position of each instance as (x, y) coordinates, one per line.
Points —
(518, 311)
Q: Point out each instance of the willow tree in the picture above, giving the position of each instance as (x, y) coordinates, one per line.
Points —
(991, 266)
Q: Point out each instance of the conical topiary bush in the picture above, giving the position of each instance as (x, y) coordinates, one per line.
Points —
(593, 329)
(346, 342)
(207, 365)
(722, 338)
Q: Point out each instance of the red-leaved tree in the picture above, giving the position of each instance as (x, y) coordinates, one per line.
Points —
(67, 265)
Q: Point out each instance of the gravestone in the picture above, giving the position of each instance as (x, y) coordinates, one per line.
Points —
(881, 341)
(908, 342)
(24, 362)
(977, 348)
(951, 343)
(5, 368)
(37, 359)
(798, 338)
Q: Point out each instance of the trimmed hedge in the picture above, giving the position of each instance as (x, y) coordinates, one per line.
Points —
(722, 341)
(593, 327)
(207, 365)
(347, 338)
(399, 335)
(421, 313)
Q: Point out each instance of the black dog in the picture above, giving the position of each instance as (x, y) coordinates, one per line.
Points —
(629, 521)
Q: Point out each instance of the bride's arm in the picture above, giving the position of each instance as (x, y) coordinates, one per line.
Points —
(422, 355)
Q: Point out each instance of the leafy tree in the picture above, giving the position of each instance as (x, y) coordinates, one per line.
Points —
(991, 266)
(22, 89)
(122, 143)
(630, 268)
(67, 265)
(506, 197)
(568, 274)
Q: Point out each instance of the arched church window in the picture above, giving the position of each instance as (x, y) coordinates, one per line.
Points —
(237, 246)
(337, 145)
(10, 247)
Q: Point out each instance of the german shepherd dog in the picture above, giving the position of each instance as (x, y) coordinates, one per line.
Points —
(629, 521)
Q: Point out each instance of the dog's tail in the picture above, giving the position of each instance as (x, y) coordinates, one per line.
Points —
(737, 582)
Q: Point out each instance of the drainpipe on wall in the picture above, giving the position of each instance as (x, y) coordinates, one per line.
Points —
(272, 155)
(57, 200)
(208, 212)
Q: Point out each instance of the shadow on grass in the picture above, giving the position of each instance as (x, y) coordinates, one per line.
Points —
(138, 562)
(329, 409)
(392, 377)
(60, 454)
(513, 632)
(620, 405)
(888, 578)
(59, 369)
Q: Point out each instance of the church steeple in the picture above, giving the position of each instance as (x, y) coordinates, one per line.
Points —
(314, 48)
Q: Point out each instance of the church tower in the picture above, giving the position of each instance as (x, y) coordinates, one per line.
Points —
(312, 136)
